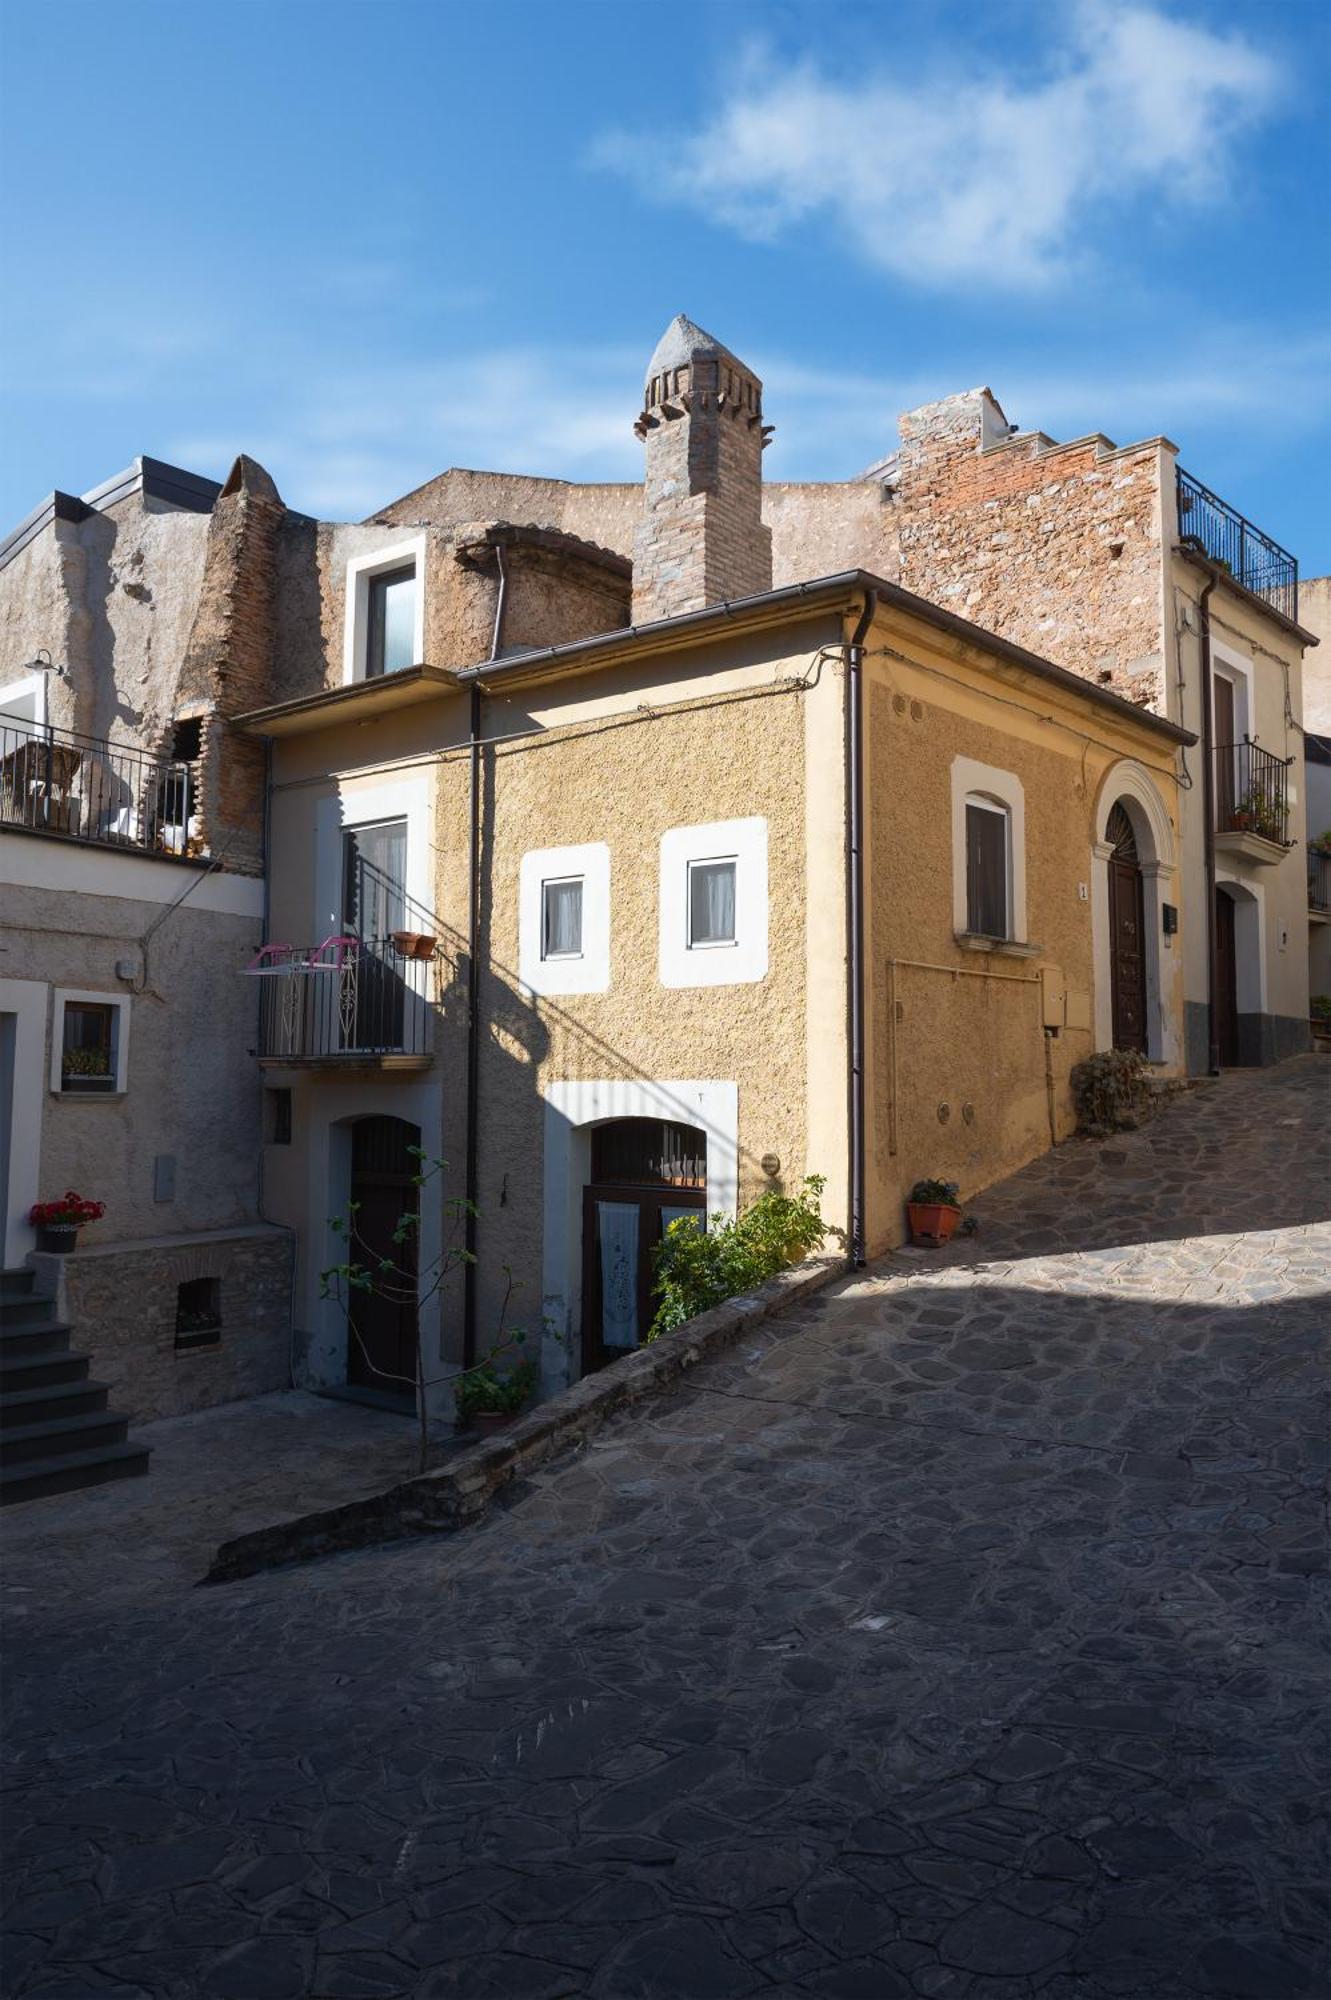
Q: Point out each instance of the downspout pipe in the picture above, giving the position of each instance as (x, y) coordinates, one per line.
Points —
(472, 1143)
(1208, 834)
(855, 920)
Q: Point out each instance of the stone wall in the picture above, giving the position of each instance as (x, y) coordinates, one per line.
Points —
(1315, 616)
(121, 1302)
(1056, 546)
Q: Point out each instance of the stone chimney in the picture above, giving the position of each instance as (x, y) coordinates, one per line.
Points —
(700, 538)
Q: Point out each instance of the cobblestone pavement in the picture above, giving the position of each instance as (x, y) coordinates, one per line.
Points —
(954, 1639)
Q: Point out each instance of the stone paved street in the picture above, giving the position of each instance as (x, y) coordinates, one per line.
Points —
(957, 1638)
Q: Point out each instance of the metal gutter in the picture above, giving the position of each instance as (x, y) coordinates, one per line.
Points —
(855, 919)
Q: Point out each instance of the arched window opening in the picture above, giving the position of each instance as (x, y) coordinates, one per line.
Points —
(1120, 835)
(988, 867)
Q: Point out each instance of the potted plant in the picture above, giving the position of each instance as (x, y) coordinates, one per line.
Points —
(1319, 1013)
(58, 1222)
(90, 1067)
(487, 1400)
(405, 942)
(932, 1212)
(425, 944)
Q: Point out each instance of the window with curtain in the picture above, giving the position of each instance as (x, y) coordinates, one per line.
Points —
(988, 840)
(391, 637)
(561, 918)
(711, 903)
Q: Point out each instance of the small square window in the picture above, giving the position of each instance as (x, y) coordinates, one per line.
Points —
(199, 1312)
(391, 633)
(561, 918)
(89, 1048)
(277, 1117)
(711, 903)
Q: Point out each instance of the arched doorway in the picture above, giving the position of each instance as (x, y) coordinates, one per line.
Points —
(382, 1325)
(645, 1174)
(1127, 934)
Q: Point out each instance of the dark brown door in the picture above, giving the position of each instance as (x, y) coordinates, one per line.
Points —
(1128, 945)
(382, 1333)
(1226, 982)
(1226, 757)
(646, 1174)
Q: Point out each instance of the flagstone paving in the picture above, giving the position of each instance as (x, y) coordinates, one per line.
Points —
(956, 1638)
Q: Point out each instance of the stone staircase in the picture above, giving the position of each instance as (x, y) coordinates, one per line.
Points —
(56, 1433)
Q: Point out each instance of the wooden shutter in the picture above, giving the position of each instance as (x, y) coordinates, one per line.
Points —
(986, 870)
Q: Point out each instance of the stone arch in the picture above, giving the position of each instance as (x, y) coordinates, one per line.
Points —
(1129, 786)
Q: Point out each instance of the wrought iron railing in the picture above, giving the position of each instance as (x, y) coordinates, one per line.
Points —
(1319, 879)
(85, 788)
(1234, 544)
(348, 999)
(1251, 791)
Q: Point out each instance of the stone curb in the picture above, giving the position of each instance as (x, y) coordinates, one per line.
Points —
(458, 1493)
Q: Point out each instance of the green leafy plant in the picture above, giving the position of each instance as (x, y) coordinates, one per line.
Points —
(935, 1194)
(1111, 1092)
(1319, 1007)
(1256, 813)
(487, 1389)
(85, 1062)
(696, 1269)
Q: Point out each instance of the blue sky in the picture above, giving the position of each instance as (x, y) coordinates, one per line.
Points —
(366, 241)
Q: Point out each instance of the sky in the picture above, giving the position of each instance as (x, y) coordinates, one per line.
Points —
(364, 240)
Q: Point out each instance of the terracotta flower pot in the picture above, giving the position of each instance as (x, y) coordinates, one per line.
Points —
(424, 946)
(405, 942)
(487, 1422)
(931, 1222)
(58, 1238)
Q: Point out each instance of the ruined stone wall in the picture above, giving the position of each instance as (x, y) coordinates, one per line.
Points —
(1058, 547)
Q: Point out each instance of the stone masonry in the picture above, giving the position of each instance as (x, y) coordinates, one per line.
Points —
(700, 538)
(121, 1303)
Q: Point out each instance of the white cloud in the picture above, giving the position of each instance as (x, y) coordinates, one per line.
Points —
(962, 180)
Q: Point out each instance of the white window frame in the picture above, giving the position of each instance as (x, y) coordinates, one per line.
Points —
(1003, 812)
(120, 1036)
(31, 685)
(356, 625)
(974, 783)
(562, 882)
(587, 971)
(711, 861)
(743, 841)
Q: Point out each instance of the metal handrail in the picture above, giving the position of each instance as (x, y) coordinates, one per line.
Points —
(375, 1000)
(61, 781)
(1232, 542)
(1251, 791)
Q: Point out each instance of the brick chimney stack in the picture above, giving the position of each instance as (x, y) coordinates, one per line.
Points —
(700, 538)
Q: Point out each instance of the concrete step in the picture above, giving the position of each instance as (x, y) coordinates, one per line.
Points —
(44, 1402)
(16, 1282)
(37, 1478)
(32, 1371)
(42, 1336)
(24, 1309)
(86, 1431)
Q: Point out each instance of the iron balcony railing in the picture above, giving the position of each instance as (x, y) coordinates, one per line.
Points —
(86, 788)
(1251, 791)
(1319, 879)
(1234, 544)
(348, 999)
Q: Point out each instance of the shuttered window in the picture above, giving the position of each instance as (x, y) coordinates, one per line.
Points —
(987, 841)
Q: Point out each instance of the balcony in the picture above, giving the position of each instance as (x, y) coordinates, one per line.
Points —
(348, 1003)
(56, 781)
(1234, 544)
(1319, 882)
(1251, 801)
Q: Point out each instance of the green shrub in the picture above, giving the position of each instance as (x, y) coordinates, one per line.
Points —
(485, 1388)
(1319, 1007)
(1111, 1092)
(697, 1269)
(935, 1194)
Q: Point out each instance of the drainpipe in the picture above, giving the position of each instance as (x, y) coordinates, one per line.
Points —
(855, 917)
(470, 1170)
(1208, 841)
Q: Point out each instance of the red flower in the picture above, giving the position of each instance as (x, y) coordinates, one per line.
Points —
(71, 1209)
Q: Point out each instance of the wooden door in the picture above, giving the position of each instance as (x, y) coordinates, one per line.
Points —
(1226, 756)
(1127, 945)
(1226, 982)
(383, 1334)
(646, 1174)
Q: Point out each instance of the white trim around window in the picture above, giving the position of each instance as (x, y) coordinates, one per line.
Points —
(63, 996)
(683, 963)
(585, 971)
(986, 784)
(355, 634)
(19, 697)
